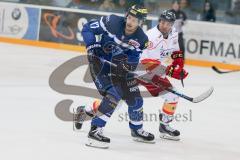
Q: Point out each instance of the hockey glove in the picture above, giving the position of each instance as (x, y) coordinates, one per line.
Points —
(177, 57)
(122, 66)
(175, 70)
(177, 73)
(93, 51)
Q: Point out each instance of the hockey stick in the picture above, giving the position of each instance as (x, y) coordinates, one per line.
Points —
(197, 99)
(182, 75)
(223, 72)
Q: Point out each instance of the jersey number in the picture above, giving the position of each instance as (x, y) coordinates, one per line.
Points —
(94, 25)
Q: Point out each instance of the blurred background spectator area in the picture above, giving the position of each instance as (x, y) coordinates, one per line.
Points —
(226, 11)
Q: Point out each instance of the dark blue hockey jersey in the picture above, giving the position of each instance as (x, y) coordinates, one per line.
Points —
(111, 28)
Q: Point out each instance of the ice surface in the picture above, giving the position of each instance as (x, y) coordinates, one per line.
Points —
(30, 130)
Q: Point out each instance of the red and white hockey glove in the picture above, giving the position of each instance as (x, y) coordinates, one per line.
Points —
(175, 70)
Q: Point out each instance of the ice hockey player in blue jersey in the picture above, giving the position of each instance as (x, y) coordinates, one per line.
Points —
(121, 42)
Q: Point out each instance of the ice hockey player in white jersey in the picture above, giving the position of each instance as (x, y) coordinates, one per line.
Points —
(163, 44)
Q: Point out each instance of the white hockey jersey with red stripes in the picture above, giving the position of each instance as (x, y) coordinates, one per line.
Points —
(160, 48)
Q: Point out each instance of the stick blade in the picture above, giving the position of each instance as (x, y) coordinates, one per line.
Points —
(222, 72)
(217, 70)
(203, 96)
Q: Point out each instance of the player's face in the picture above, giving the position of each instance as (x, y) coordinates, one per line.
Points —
(132, 24)
(165, 27)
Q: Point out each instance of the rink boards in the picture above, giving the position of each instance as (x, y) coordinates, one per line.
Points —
(207, 44)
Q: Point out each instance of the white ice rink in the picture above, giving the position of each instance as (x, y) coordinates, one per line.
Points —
(30, 130)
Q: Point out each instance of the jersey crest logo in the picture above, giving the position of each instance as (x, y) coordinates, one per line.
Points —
(150, 44)
(146, 44)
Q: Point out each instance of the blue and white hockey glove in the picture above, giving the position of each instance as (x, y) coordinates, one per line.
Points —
(94, 51)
